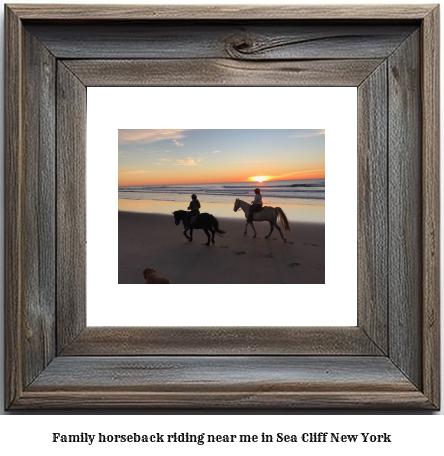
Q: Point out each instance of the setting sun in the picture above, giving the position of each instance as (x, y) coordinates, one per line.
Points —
(259, 178)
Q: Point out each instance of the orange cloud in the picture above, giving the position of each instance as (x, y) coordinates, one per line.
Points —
(305, 174)
(139, 171)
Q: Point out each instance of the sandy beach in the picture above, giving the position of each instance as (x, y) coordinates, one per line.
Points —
(148, 240)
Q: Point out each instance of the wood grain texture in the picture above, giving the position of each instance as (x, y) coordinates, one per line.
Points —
(221, 12)
(127, 341)
(89, 373)
(13, 209)
(206, 373)
(234, 382)
(258, 40)
(246, 401)
(372, 207)
(71, 206)
(30, 209)
(405, 209)
(38, 217)
(221, 72)
(430, 94)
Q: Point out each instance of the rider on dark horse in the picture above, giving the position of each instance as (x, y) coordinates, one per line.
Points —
(194, 210)
(256, 204)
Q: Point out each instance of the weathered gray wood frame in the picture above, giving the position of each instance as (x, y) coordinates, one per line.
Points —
(390, 360)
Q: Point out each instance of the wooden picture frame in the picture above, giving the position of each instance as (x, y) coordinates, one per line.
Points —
(390, 360)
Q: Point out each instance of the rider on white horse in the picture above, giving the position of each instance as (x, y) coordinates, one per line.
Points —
(256, 204)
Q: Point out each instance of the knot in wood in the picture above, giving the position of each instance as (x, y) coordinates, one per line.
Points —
(237, 46)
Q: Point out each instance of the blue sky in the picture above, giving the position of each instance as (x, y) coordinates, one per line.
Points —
(199, 156)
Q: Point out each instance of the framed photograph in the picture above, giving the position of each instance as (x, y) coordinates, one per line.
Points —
(160, 169)
(56, 55)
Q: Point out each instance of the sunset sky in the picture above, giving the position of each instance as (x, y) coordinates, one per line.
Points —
(162, 157)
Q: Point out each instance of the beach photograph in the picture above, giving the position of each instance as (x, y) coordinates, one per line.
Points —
(221, 206)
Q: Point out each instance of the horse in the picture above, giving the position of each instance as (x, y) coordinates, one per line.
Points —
(267, 214)
(205, 221)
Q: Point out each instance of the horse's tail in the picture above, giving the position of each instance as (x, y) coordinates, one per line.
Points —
(282, 219)
(216, 226)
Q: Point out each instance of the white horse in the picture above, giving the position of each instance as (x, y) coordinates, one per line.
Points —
(267, 214)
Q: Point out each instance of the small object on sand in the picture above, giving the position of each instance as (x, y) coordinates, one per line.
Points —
(151, 276)
(293, 265)
(239, 253)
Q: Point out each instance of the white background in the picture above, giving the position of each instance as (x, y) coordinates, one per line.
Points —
(412, 433)
(329, 304)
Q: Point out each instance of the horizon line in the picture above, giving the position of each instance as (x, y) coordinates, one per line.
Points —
(232, 182)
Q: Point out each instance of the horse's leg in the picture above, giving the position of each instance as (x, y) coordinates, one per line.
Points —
(271, 230)
(212, 235)
(280, 231)
(255, 234)
(185, 234)
(191, 234)
(246, 226)
(208, 236)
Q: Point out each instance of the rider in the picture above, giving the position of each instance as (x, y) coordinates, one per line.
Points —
(194, 210)
(255, 205)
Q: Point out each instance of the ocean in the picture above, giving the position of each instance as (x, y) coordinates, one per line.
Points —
(300, 192)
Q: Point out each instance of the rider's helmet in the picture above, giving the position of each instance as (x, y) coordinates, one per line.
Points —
(257, 190)
(194, 196)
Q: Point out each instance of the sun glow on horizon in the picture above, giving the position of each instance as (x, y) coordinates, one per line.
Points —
(259, 178)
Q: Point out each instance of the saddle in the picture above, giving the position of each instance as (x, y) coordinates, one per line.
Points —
(193, 219)
(258, 209)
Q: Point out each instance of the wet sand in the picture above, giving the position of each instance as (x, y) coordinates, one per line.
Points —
(154, 241)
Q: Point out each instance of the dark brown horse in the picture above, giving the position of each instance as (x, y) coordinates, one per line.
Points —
(206, 222)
